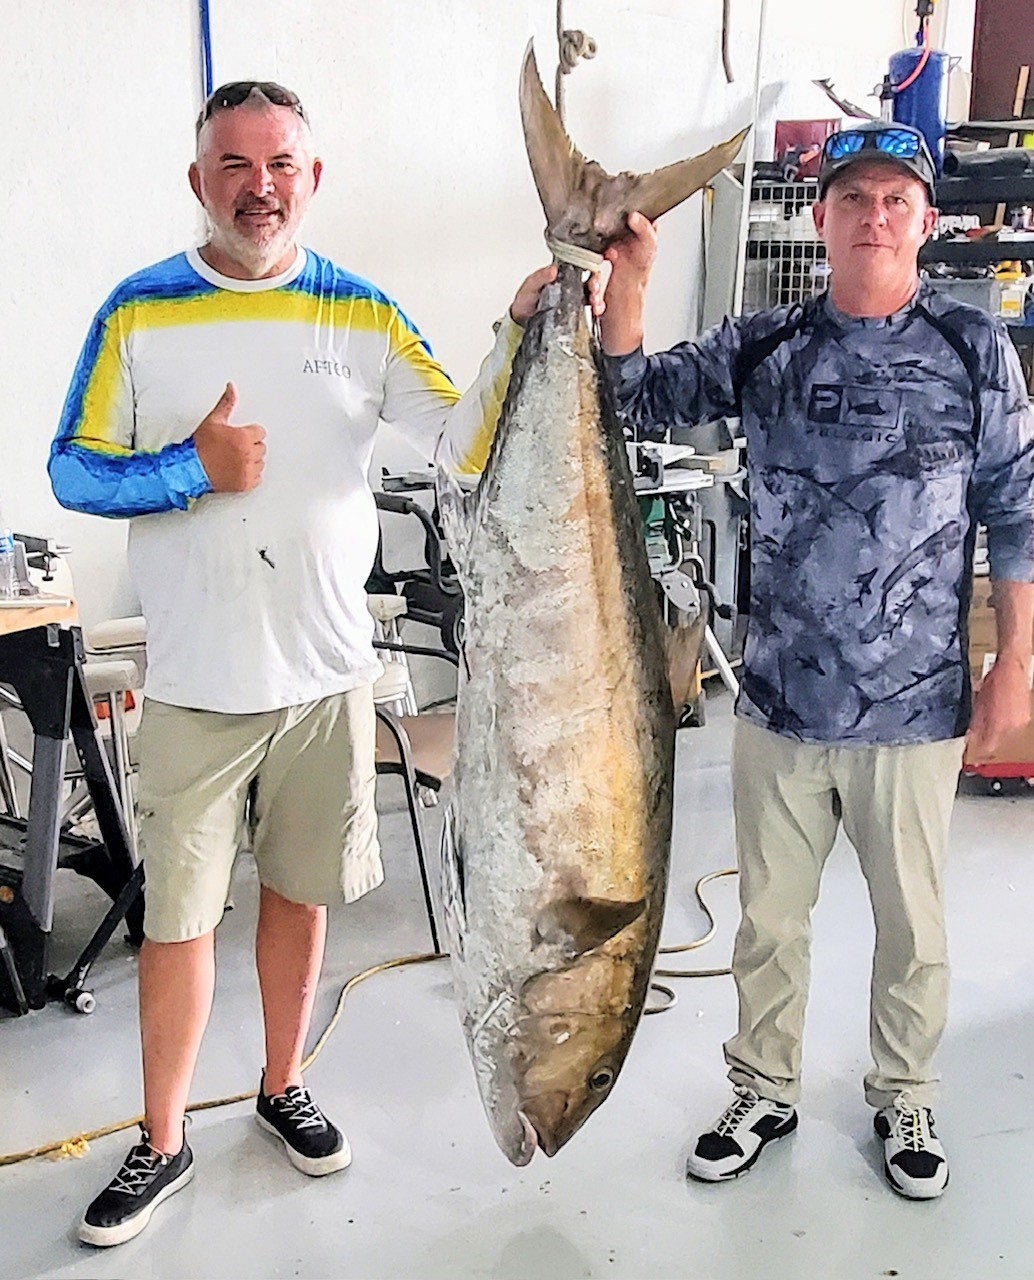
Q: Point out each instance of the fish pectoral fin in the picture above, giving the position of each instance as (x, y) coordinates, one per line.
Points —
(682, 645)
(655, 193)
(585, 923)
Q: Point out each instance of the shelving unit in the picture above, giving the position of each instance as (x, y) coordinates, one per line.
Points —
(785, 259)
(954, 194)
(960, 194)
(975, 253)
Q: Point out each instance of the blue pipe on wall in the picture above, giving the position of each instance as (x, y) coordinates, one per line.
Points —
(206, 48)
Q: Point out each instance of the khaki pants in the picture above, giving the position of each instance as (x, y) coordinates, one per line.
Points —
(895, 803)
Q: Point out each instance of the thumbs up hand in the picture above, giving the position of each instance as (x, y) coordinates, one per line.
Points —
(232, 456)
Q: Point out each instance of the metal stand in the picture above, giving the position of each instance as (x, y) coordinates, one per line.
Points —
(7, 792)
(721, 662)
(684, 489)
(44, 665)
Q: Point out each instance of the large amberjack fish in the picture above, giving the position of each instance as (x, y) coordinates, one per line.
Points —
(556, 847)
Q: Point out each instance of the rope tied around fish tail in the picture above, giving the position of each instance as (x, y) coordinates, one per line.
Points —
(574, 254)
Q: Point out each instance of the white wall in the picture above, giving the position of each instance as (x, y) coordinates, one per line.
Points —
(426, 188)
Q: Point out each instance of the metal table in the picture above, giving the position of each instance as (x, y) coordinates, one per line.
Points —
(41, 658)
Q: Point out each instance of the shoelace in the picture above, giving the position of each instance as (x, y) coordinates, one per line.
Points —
(297, 1103)
(141, 1165)
(733, 1114)
(914, 1126)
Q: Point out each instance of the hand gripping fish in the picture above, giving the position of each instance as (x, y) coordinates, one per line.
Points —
(555, 853)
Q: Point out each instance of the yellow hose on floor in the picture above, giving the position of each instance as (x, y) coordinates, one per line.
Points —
(697, 942)
(79, 1145)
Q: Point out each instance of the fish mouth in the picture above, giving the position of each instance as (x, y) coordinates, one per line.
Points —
(542, 1115)
(530, 1143)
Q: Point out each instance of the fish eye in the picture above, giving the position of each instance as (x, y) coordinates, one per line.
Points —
(602, 1079)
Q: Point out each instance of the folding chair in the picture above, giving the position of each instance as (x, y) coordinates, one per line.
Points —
(418, 749)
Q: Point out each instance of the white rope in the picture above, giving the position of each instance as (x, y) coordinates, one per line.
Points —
(574, 254)
(572, 45)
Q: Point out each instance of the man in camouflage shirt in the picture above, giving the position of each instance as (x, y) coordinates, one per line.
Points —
(884, 421)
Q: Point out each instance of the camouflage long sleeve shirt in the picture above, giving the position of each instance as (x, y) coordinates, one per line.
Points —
(874, 447)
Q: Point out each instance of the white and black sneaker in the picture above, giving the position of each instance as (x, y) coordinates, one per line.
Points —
(124, 1207)
(739, 1135)
(913, 1156)
(313, 1144)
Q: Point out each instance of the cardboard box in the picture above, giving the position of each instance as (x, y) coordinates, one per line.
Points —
(983, 636)
(1016, 754)
(1013, 759)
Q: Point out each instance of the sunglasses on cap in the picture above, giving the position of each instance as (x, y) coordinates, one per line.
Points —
(900, 144)
(237, 92)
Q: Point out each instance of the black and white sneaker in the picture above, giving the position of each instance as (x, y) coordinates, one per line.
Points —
(124, 1207)
(739, 1135)
(313, 1144)
(913, 1156)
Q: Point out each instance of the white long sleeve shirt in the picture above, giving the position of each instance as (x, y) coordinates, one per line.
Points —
(256, 601)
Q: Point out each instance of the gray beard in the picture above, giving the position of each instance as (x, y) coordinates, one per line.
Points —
(256, 257)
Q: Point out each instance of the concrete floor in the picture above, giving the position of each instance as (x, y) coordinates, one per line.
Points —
(429, 1195)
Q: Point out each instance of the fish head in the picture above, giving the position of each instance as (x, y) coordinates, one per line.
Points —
(584, 204)
(575, 1028)
(571, 1065)
(547, 1054)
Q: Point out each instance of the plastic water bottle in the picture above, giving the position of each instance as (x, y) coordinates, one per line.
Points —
(8, 568)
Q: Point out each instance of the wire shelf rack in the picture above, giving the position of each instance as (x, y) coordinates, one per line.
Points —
(786, 260)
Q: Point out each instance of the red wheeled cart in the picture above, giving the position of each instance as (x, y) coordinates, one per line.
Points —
(1002, 777)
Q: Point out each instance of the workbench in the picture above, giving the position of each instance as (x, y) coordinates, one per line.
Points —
(41, 659)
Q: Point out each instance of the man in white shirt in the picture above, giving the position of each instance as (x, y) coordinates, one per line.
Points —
(226, 401)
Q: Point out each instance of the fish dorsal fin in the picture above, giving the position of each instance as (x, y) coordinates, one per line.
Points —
(655, 193)
(555, 161)
(456, 509)
(584, 923)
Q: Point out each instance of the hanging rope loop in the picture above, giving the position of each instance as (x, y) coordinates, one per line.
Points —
(572, 47)
(575, 45)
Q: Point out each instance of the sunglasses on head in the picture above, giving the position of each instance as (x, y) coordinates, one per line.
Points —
(900, 144)
(237, 92)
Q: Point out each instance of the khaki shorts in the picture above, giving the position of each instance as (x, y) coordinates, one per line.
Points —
(313, 824)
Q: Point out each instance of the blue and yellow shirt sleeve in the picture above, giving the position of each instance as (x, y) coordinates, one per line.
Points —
(420, 399)
(94, 466)
(418, 393)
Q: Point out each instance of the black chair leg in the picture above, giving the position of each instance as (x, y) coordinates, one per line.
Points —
(408, 775)
(418, 840)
